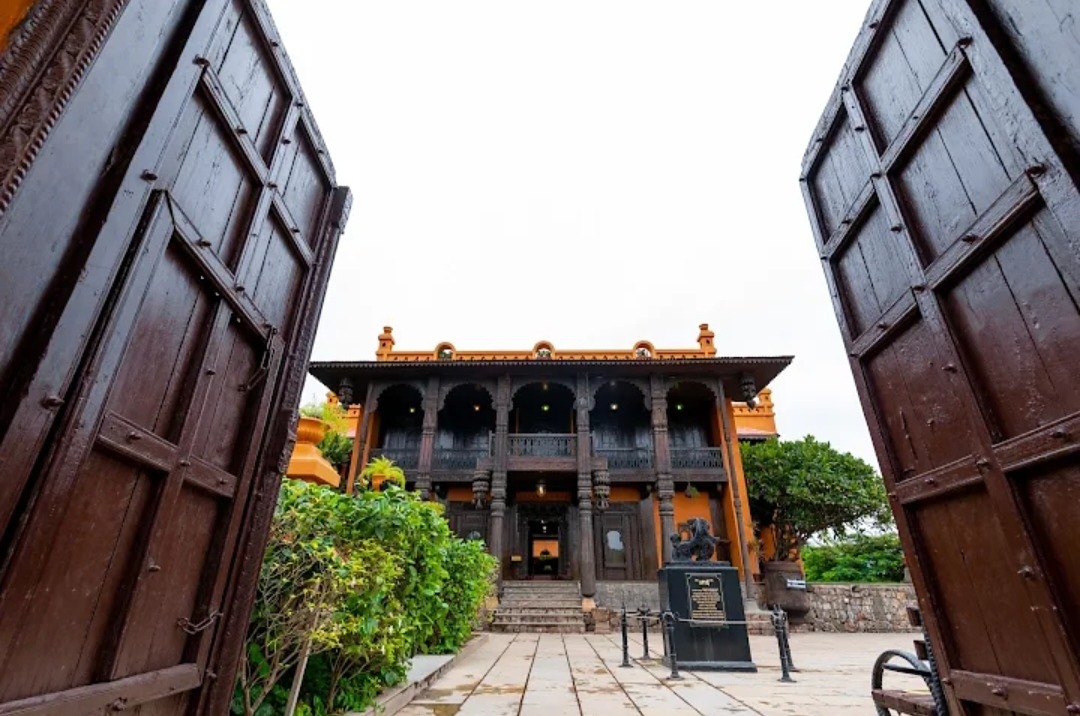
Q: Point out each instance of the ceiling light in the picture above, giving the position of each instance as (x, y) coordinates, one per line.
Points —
(614, 406)
(476, 408)
(545, 407)
(412, 409)
(541, 488)
(678, 406)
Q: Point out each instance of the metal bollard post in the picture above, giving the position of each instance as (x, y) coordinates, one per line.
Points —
(625, 641)
(778, 620)
(787, 643)
(669, 629)
(644, 612)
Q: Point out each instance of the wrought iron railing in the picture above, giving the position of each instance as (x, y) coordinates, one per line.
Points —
(541, 445)
(627, 458)
(697, 458)
(457, 458)
(405, 458)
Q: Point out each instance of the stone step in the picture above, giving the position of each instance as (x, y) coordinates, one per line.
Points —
(539, 594)
(532, 611)
(537, 619)
(541, 604)
(538, 628)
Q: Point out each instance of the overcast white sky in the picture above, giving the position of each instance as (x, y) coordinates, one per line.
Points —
(583, 171)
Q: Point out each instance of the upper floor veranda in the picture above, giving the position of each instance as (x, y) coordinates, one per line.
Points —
(633, 413)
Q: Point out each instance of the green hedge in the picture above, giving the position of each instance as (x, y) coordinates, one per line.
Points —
(862, 558)
(367, 581)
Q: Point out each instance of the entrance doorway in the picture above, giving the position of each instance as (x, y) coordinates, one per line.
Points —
(545, 549)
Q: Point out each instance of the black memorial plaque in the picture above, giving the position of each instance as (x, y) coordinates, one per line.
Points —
(710, 634)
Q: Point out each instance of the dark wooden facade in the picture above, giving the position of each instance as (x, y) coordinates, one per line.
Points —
(606, 442)
(168, 219)
(942, 184)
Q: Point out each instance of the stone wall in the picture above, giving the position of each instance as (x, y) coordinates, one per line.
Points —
(860, 607)
(612, 595)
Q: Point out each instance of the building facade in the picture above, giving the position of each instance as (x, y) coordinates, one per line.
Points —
(573, 465)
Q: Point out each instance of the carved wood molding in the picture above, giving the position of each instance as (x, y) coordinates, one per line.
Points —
(46, 60)
(488, 386)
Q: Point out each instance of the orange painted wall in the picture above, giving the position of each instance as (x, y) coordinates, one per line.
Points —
(11, 14)
(624, 493)
(685, 509)
(730, 518)
(459, 493)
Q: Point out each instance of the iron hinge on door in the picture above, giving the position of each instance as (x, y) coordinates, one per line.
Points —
(264, 365)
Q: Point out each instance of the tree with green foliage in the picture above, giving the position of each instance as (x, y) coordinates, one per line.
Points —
(858, 558)
(806, 487)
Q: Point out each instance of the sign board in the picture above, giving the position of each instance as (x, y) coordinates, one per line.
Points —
(796, 584)
(706, 598)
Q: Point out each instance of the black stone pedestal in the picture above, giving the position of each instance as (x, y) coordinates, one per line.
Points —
(705, 598)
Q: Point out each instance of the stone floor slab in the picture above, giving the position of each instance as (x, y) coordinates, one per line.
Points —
(581, 674)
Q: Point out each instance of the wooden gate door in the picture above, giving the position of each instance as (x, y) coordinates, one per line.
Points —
(618, 542)
(133, 551)
(949, 232)
(466, 521)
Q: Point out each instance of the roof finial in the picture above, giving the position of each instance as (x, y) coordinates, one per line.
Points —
(705, 340)
(386, 343)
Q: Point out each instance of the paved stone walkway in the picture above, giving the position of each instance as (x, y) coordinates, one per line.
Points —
(555, 674)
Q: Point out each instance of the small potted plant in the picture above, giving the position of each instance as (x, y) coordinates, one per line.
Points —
(381, 471)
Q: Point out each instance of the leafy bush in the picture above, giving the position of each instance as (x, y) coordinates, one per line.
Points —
(862, 558)
(392, 580)
(805, 487)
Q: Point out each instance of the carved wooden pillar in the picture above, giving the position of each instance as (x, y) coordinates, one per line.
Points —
(665, 485)
(362, 430)
(427, 437)
(584, 485)
(498, 472)
(736, 492)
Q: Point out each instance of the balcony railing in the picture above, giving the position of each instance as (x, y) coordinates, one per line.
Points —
(541, 445)
(697, 458)
(627, 458)
(405, 458)
(457, 458)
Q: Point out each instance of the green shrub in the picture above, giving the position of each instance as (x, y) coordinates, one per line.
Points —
(469, 566)
(393, 581)
(861, 558)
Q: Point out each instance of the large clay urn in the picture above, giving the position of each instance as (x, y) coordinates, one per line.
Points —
(785, 586)
(307, 462)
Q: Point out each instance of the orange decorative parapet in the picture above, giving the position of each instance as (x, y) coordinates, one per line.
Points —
(758, 422)
(544, 350)
(307, 462)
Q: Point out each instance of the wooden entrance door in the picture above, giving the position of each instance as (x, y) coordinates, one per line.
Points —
(132, 546)
(948, 226)
(618, 543)
(557, 516)
(466, 521)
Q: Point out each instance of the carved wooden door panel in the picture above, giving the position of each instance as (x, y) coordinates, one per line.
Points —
(124, 566)
(467, 522)
(618, 543)
(949, 230)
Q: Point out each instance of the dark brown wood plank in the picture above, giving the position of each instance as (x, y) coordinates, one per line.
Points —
(235, 293)
(128, 439)
(211, 479)
(112, 695)
(1014, 298)
(1013, 204)
(923, 117)
(1005, 693)
(954, 477)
